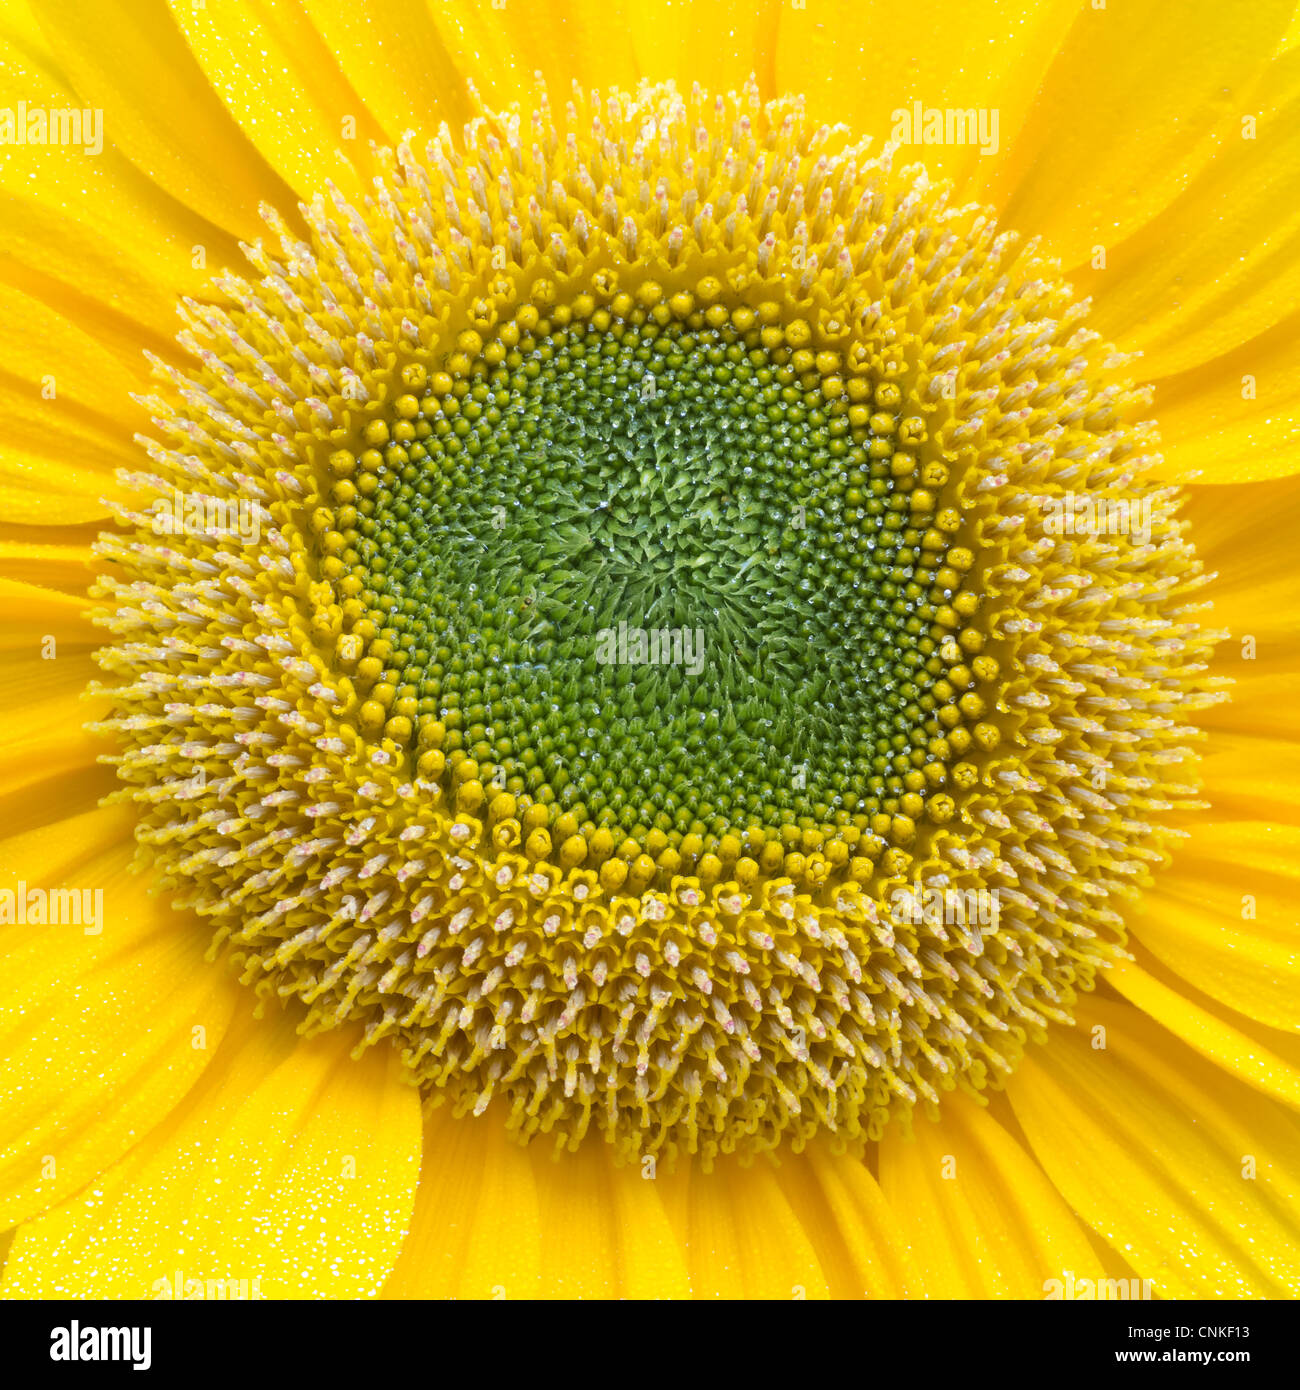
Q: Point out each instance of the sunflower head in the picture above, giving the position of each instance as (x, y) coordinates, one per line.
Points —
(611, 629)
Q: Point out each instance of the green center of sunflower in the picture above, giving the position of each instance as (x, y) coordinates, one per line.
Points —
(671, 688)
(673, 588)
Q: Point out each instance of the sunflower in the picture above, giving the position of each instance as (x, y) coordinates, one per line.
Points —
(680, 682)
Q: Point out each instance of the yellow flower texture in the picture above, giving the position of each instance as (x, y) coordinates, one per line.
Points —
(648, 653)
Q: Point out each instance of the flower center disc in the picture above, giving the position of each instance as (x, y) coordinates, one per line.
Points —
(651, 668)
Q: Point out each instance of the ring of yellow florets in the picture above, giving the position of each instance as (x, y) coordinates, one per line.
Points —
(334, 735)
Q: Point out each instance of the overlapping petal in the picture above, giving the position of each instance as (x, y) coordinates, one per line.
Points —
(1137, 99)
(979, 1216)
(107, 1017)
(290, 1167)
(1193, 1177)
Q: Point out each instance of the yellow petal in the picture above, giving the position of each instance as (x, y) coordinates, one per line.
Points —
(43, 734)
(500, 50)
(604, 1230)
(127, 58)
(279, 80)
(64, 365)
(1291, 39)
(1235, 419)
(477, 1229)
(1250, 777)
(1226, 917)
(105, 1024)
(1263, 699)
(1244, 536)
(37, 489)
(1193, 1176)
(741, 1236)
(980, 1218)
(68, 786)
(720, 45)
(860, 1246)
(312, 1182)
(31, 612)
(496, 1220)
(1260, 658)
(1221, 264)
(1127, 114)
(52, 557)
(48, 760)
(91, 235)
(392, 55)
(67, 411)
(1256, 1055)
(865, 64)
(20, 24)
(290, 1166)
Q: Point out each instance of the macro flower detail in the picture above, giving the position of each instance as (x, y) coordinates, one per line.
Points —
(650, 652)
(699, 364)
